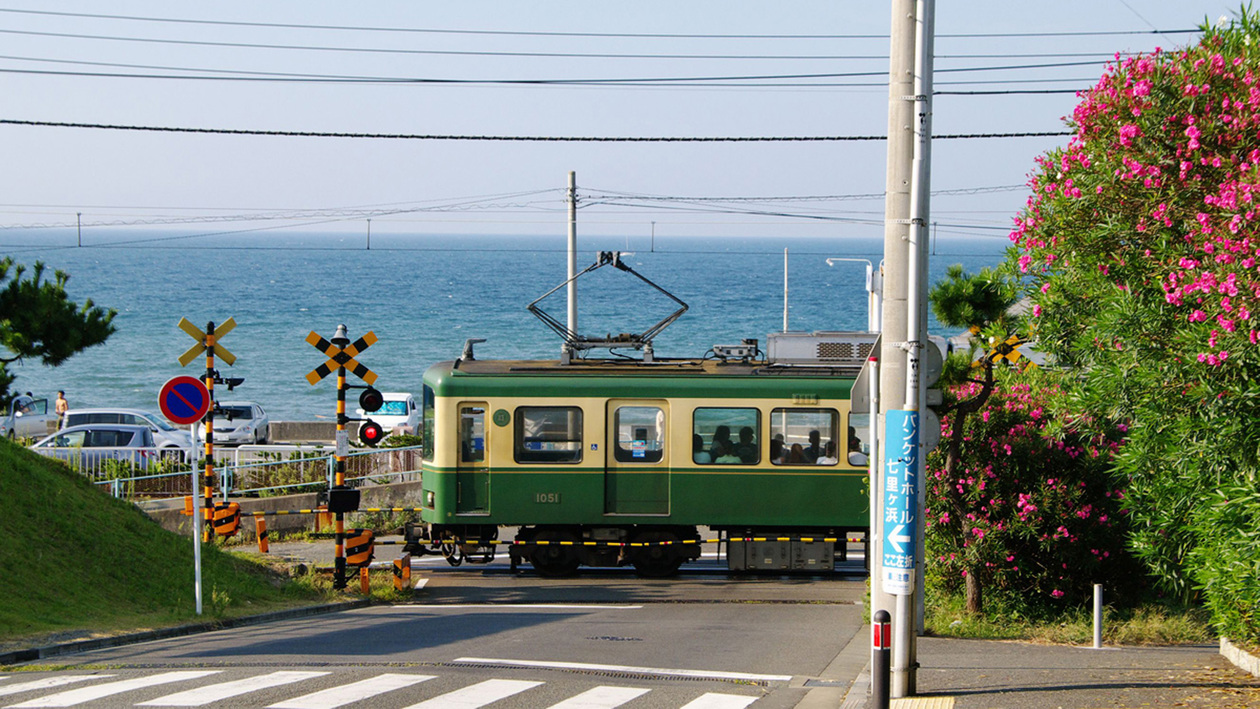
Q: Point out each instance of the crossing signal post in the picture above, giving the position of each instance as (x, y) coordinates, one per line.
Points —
(208, 342)
(341, 356)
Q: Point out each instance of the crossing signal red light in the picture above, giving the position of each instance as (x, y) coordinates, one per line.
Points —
(371, 400)
(371, 433)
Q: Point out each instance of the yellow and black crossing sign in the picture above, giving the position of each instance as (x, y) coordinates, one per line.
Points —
(195, 332)
(341, 357)
(1007, 350)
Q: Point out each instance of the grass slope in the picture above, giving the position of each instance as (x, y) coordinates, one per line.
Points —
(75, 561)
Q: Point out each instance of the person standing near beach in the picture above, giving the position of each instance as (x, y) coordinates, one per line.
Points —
(61, 406)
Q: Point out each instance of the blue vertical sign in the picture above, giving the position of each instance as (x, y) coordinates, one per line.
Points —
(901, 500)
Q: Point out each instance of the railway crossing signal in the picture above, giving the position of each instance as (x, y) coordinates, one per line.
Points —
(341, 356)
(204, 344)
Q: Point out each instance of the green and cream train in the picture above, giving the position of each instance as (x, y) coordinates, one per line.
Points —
(615, 461)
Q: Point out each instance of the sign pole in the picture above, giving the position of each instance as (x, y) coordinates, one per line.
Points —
(208, 501)
(196, 519)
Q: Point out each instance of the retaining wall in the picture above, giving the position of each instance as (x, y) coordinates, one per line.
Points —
(169, 513)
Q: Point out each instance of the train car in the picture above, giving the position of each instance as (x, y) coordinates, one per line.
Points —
(616, 462)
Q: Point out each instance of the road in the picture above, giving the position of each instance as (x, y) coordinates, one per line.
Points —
(481, 636)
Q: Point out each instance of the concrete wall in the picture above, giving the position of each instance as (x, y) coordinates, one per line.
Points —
(304, 431)
(169, 513)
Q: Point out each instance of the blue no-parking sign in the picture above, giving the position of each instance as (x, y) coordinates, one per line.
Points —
(901, 500)
(184, 400)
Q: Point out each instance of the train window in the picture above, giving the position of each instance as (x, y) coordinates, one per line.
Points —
(426, 424)
(640, 434)
(548, 434)
(859, 432)
(472, 434)
(805, 436)
(726, 436)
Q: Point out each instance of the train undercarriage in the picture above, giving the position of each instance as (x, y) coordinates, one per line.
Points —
(655, 551)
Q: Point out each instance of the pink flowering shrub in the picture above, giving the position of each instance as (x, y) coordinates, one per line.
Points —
(1032, 515)
(1141, 245)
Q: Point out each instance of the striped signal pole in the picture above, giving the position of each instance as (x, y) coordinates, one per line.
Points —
(207, 342)
(341, 499)
(207, 531)
(340, 339)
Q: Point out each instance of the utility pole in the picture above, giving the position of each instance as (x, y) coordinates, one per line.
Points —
(571, 289)
(369, 235)
(898, 349)
(78, 220)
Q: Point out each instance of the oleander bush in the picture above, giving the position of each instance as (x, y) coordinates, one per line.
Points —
(1141, 249)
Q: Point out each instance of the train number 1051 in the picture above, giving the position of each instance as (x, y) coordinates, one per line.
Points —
(547, 498)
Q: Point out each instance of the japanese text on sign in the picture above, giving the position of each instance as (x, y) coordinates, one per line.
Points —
(901, 500)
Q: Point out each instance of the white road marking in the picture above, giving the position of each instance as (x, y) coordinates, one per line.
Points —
(477, 695)
(712, 674)
(511, 606)
(225, 690)
(354, 692)
(601, 698)
(420, 584)
(712, 700)
(45, 683)
(86, 694)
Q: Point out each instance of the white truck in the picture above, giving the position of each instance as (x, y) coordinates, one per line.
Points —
(29, 417)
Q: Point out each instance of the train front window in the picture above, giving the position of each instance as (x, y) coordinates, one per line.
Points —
(726, 436)
(551, 434)
(640, 434)
(426, 425)
(804, 436)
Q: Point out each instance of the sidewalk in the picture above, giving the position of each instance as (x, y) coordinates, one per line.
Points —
(984, 674)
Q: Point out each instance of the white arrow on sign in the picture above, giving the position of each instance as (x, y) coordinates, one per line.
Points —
(898, 539)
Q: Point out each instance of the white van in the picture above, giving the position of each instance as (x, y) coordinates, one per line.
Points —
(399, 413)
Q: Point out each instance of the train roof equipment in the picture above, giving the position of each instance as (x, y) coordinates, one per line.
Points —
(576, 343)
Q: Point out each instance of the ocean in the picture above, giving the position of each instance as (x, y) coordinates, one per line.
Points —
(423, 296)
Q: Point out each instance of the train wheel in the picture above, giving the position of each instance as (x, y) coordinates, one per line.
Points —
(660, 558)
(554, 558)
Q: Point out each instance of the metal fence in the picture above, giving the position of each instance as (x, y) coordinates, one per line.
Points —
(256, 471)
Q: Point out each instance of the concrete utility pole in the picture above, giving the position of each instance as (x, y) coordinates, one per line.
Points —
(893, 587)
(572, 287)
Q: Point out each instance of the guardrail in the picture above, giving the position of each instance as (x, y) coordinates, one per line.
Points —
(271, 470)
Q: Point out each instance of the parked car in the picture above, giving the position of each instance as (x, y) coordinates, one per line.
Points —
(28, 417)
(88, 446)
(238, 422)
(398, 414)
(165, 436)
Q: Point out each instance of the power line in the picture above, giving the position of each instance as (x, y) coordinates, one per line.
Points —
(520, 33)
(517, 138)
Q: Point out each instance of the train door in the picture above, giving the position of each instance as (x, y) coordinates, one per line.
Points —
(472, 476)
(636, 474)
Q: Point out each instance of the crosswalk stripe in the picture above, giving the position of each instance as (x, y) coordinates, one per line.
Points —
(86, 694)
(601, 698)
(713, 700)
(356, 691)
(226, 690)
(46, 683)
(477, 695)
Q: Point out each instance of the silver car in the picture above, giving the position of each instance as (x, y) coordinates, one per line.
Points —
(89, 446)
(239, 422)
(165, 436)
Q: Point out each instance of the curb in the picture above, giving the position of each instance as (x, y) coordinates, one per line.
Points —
(39, 653)
(1242, 659)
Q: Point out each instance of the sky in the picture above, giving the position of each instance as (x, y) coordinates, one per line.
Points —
(509, 69)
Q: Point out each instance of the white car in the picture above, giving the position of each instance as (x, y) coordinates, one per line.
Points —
(28, 418)
(90, 445)
(239, 422)
(165, 436)
(398, 414)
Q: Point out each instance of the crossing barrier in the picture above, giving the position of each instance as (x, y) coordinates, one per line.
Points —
(227, 519)
(402, 572)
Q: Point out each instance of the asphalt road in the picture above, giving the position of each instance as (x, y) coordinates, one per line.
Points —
(484, 635)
